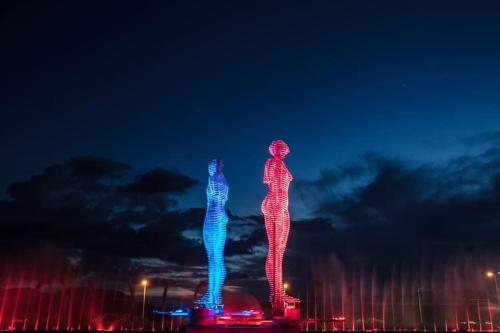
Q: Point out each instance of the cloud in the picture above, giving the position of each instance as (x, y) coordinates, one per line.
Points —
(80, 207)
(159, 181)
(95, 168)
(87, 211)
(395, 210)
(376, 211)
(78, 174)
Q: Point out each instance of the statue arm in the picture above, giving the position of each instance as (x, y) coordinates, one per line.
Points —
(210, 188)
(226, 190)
(267, 170)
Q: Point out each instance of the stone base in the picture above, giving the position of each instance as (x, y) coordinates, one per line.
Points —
(263, 328)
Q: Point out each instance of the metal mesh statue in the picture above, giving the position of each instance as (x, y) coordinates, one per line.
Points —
(277, 220)
(214, 235)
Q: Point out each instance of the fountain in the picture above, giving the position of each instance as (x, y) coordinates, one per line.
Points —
(452, 294)
(34, 300)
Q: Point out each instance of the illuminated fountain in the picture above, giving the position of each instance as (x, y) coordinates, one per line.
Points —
(450, 294)
(453, 293)
(60, 299)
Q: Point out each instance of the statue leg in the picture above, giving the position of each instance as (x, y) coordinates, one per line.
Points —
(282, 228)
(270, 262)
(285, 229)
(219, 267)
(280, 250)
(208, 240)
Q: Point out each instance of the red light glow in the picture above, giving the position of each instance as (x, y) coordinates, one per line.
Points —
(277, 219)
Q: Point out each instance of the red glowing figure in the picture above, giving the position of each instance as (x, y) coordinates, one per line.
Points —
(277, 220)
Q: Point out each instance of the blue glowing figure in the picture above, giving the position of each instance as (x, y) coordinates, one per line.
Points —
(214, 234)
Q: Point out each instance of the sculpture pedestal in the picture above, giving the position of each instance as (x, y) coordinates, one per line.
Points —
(289, 312)
(287, 315)
(202, 317)
(264, 328)
(206, 321)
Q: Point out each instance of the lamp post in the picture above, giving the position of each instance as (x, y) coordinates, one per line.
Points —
(144, 283)
(493, 276)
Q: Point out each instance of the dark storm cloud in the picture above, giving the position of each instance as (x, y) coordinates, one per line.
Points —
(160, 181)
(314, 226)
(245, 234)
(247, 243)
(333, 176)
(404, 208)
(82, 173)
(94, 167)
(378, 210)
(81, 207)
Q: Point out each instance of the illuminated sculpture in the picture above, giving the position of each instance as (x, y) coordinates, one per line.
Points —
(214, 235)
(277, 221)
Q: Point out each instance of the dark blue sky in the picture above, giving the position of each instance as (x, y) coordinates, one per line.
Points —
(174, 84)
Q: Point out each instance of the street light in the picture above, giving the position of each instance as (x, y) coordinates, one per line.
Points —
(144, 283)
(493, 276)
(285, 286)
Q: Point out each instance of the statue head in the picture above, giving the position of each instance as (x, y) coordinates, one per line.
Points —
(215, 165)
(279, 148)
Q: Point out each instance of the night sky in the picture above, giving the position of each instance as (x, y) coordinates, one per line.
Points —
(112, 110)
